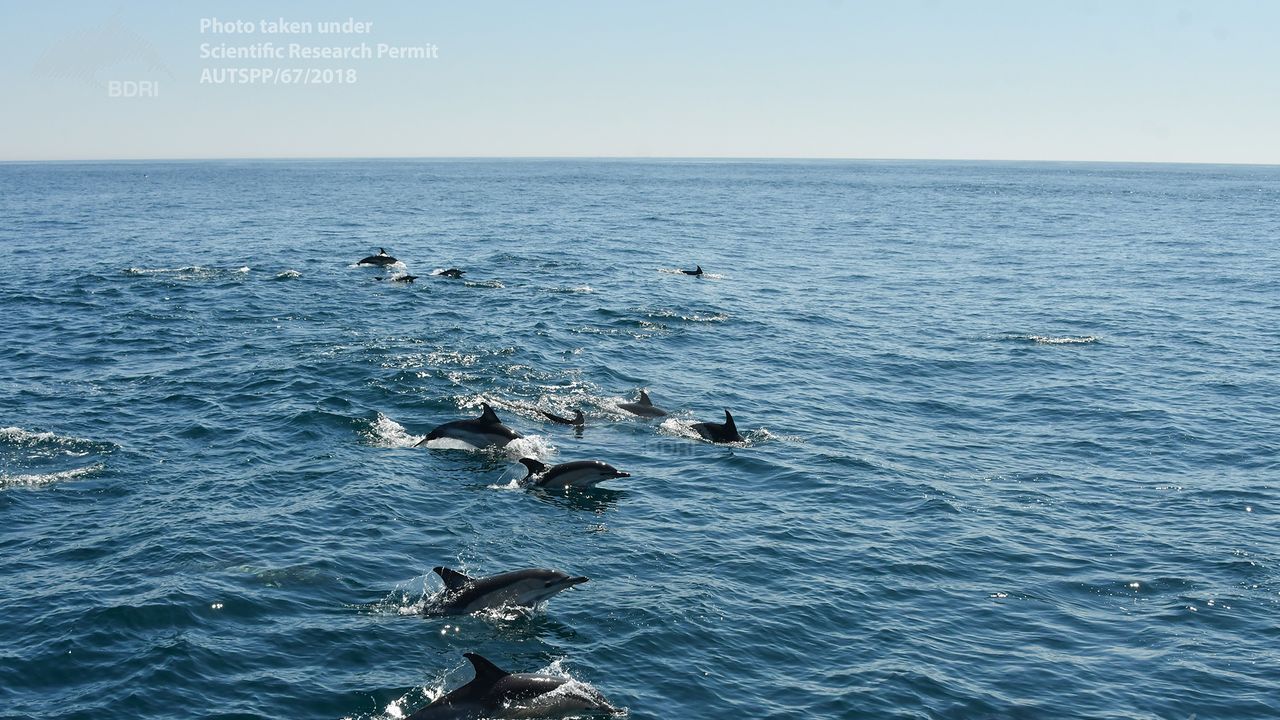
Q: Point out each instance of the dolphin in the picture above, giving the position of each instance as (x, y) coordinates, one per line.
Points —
(577, 474)
(481, 432)
(398, 278)
(643, 407)
(695, 273)
(454, 273)
(464, 595)
(496, 693)
(577, 418)
(382, 258)
(725, 432)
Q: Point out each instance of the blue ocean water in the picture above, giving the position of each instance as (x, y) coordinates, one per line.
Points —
(1012, 436)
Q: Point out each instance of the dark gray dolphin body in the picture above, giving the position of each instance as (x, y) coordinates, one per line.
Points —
(519, 588)
(454, 273)
(481, 432)
(725, 432)
(695, 273)
(577, 474)
(496, 693)
(399, 278)
(643, 407)
(578, 419)
(382, 258)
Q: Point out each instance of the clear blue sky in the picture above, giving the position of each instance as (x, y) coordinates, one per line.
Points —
(1123, 80)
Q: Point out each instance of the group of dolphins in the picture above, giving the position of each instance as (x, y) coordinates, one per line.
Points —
(493, 692)
(383, 259)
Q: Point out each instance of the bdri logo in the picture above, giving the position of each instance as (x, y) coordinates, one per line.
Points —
(133, 88)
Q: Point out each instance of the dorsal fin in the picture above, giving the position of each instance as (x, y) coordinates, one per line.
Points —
(489, 416)
(486, 672)
(452, 578)
(579, 418)
(729, 425)
(533, 466)
(644, 399)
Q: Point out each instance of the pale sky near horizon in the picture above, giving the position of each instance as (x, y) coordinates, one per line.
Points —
(1109, 81)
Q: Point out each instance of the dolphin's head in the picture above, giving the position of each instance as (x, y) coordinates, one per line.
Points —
(539, 586)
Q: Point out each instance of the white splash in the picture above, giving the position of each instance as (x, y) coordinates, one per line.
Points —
(38, 479)
(385, 432)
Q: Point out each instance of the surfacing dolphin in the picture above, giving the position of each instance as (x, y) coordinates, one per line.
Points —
(481, 432)
(454, 273)
(576, 474)
(464, 595)
(643, 407)
(578, 419)
(382, 258)
(695, 273)
(725, 432)
(496, 693)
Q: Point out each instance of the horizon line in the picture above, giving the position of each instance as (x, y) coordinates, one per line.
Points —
(730, 158)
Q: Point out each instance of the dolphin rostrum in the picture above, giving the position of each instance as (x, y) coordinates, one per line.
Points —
(643, 407)
(382, 258)
(496, 693)
(464, 595)
(577, 474)
(725, 432)
(481, 432)
(577, 419)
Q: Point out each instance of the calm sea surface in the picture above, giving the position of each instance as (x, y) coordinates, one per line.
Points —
(1013, 436)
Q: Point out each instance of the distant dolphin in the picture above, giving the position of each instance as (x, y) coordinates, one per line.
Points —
(577, 474)
(481, 432)
(398, 278)
(725, 432)
(382, 258)
(643, 407)
(695, 273)
(464, 595)
(454, 273)
(496, 693)
(578, 419)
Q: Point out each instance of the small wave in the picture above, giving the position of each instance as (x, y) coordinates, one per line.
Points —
(189, 272)
(695, 317)
(1051, 339)
(46, 444)
(584, 289)
(385, 432)
(766, 435)
(288, 275)
(485, 284)
(38, 479)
